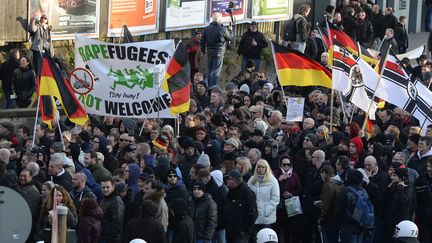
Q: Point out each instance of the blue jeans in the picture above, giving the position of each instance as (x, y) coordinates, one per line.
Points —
(299, 46)
(214, 68)
(256, 60)
(9, 101)
(350, 234)
(428, 23)
(219, 236)
(170, 235)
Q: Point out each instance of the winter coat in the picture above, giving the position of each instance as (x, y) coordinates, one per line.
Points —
(41, 40)
(350, 26)
(162, 213)
(214, 39)
(424, 199)
(390, 21)
(113, 214)
(240, 211)
(311, 49)
(99, 172)
(32, 197)
(203, 212)
(365, 33)
(192, 47)
(268, 197)
(77, 197)
(184, 228)
(344, 208)
(377, 21)
(312, 191)
(43, 222)
(397, 200)
(6, 72)
(419, 162)
(89, 226)
(329, 196)
(64, 180)
(176, 191)
(145, 228)
(23, 84)
(185, 164)
(201, 62)
(245, 46)
(381, 179)
(302, 28)
(218, 194)
(401, 36)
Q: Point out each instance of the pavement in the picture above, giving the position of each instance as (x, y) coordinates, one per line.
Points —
(417, 39)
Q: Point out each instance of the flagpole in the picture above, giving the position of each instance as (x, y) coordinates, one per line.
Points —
(379, 79)
(322, 38)
(36, 119)
(342, 106)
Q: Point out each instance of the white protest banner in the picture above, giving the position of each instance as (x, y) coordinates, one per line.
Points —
(295, 108)
(124, 81)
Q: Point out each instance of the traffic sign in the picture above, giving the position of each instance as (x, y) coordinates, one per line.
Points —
(81, 81)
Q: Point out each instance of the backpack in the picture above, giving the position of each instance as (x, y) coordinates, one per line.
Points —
(363, 212)
(290, 30)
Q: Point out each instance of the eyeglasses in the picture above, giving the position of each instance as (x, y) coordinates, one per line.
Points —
(43, 18)
(94, 141)
(260, 76)
(254, 112)
(286, 164)
(314, 157)
(307, 140)
(172, 176)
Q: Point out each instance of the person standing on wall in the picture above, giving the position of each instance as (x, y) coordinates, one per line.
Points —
(251, 45)
(40, 30)
(302, 28)
(213, 43)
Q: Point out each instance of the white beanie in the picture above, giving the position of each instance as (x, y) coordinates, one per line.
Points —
(203, 160)
(245, 88)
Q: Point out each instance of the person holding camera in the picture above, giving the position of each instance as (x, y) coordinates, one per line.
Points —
(213, 43)
(40, 30)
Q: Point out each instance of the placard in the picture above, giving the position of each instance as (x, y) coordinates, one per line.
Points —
(69, 17)
(140, 16)
(125, 81)
(182, 13)
(295, 108)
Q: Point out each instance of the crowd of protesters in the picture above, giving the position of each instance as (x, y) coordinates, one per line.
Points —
(235, 159)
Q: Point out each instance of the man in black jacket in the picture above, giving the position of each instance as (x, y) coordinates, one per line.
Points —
(401, 34)
(6, 71)
(113, 213)
(80, 190)
(213, 43)
(377, 20)
(251, 45)
(424, 203)
(184, 229)
(219, 195)
(58, 174)
(365, 31)
(240, 210)
(145, 227)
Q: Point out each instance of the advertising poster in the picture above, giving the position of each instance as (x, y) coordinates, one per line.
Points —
(140, 16)
(127, 77)
(68, 17)
(238, 10)
(182, 13)
(271, 9)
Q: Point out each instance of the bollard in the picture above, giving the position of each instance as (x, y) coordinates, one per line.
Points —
(62, 223)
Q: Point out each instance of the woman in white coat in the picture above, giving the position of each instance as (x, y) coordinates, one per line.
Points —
(266, 188)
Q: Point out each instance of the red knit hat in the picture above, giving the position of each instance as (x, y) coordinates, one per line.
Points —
(358, 143)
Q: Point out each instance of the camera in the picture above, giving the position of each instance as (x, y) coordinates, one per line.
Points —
(230, 7)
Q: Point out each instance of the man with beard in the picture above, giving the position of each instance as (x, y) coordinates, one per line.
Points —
(187, 160)
(31, 194)
(113, 213)
(99, 172)
(80, 190)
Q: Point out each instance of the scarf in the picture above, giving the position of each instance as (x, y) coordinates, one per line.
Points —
(287, 173)
(260, 178)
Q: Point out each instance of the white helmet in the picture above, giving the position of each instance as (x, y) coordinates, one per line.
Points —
(267, 235)
(137, 241)
(406, 231)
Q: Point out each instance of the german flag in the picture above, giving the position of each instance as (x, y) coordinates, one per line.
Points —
(51, 84)
(346, 42)
(294, 68)
(177, 82)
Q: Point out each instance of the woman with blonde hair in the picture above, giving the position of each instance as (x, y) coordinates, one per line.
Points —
(266, 188)
(63, 199)
(261, 125)
(322, 133)
(243, 165)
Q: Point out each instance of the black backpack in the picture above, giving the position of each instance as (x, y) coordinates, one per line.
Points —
(290, 30)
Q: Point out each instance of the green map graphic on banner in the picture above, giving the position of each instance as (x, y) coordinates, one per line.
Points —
(137, 77)
(268, 9)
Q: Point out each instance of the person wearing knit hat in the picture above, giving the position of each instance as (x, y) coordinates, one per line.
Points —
(356, 152)
(160, 142)
(245, 89)
(204, 160)
(204, 212)
(312, 138)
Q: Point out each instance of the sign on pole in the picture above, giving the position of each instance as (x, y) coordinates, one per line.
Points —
(81, 81)
(295, 108)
